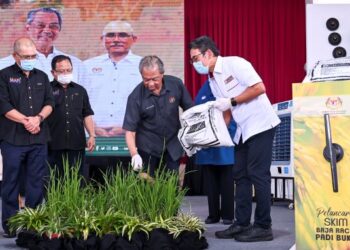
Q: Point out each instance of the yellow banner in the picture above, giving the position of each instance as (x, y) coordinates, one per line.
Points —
(322, 211)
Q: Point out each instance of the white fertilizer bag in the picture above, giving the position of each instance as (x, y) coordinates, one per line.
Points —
(203, 126)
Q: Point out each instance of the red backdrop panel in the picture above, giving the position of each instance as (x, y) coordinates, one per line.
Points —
(269, 33)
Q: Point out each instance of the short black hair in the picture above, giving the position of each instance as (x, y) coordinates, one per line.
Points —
(58, 59)
(203, 43)
(31, 14)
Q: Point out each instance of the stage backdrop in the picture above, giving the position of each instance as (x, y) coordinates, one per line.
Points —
(158, 25)
(270, 34)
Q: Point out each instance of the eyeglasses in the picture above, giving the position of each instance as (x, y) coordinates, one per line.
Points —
(28, 57)
(62, 71)
(195, 58)
(120, 35)
(41, 26)
(154, 79)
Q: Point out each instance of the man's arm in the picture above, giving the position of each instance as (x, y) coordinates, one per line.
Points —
(16, 116)
(136, 160)
(250, 93)
(247, 95)
(89, 126)
(130, 138)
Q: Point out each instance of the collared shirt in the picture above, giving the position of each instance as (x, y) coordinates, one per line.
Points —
(155, 119)
(66, 122)
(109, 85)
(214, 155)
(232, 76)
(44, 64)
(28, 96)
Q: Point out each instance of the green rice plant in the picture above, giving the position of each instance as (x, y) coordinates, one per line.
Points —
(160, 198)
(119, 190)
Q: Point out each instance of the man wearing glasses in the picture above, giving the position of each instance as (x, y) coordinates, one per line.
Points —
(26, 101)
(152, 118)
(112, 77)
(43, 27)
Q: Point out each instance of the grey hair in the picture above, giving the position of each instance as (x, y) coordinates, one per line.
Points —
(150, 62)
(31, 14)
(23, 42)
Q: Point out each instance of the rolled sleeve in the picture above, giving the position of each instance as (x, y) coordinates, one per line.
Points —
(49, 99)
(87, 110)
(5, 105)
(186, 100)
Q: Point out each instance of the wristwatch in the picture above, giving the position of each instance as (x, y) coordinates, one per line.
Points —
(233, 102)
(41, 117)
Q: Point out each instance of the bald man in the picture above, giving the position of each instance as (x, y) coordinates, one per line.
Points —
(26, 100)
(112, 77)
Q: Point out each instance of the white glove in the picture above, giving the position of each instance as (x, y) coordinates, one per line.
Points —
(222, 104)
(136, 162)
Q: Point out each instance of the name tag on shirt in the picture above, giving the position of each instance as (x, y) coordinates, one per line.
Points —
(230, 83)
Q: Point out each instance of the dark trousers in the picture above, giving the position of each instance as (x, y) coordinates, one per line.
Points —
(56, 158)
(152, 163)
(218, 181)
(33, 158)
(252, 167)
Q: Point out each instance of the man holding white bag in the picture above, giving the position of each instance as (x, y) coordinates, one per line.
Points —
(238, 87)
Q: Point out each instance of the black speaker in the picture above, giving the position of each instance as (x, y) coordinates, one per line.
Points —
(334, 38)
(339, 52)
(332, 24)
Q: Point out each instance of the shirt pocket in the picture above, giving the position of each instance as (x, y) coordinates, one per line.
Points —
(148, 111)
(77, 101)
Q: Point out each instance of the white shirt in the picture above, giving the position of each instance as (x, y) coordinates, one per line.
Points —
(233, 75)
(109, 85)
(44, 64)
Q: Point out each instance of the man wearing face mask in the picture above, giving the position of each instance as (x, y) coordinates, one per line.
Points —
(72, 113)
(238, 88)
(25, 102)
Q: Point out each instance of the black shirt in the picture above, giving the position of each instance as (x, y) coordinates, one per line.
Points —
(155, 119)
(66, 122)
(28, 95)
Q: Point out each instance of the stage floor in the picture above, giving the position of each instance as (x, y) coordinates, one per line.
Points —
(282, 219)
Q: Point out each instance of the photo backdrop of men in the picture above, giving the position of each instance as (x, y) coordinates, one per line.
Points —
(106, 40)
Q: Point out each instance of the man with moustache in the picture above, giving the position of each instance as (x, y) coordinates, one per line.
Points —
(152, 118)
(111, 77)
(43, 26)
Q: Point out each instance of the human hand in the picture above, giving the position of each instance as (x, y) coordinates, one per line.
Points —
(222, 104)
(136, 162)
(90, 144)
(32, 124)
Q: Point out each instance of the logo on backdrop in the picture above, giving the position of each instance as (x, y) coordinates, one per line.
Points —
(334, 103)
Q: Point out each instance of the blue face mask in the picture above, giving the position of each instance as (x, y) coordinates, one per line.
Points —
(28, 64)
(200, 68)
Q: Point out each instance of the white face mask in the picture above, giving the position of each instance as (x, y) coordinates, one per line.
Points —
(65, 79)
(200, 68)
(28, 64)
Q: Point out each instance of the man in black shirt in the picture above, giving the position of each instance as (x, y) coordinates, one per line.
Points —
(152, 117)
(25, 102)
(71, 114)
